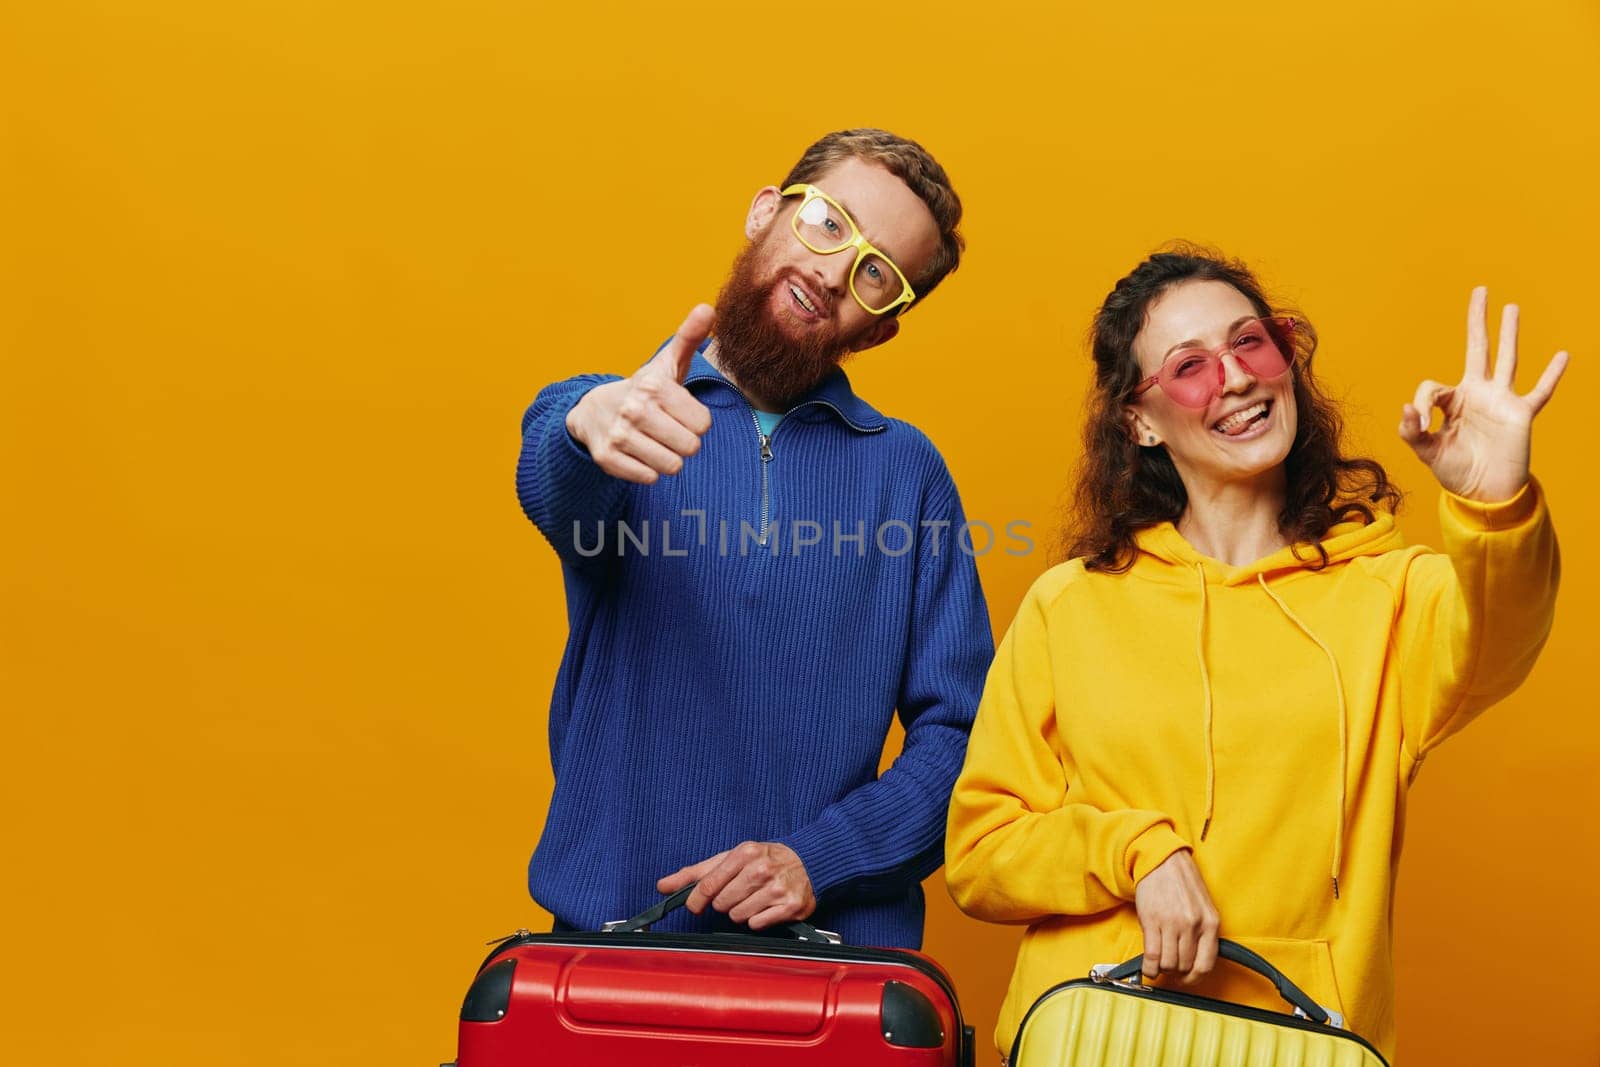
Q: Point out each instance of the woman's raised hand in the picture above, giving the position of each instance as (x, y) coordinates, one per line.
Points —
(1481, 450)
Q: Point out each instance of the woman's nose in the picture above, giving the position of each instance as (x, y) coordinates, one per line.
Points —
(1236, 377)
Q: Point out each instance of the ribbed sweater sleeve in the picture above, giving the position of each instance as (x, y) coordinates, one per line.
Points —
(1473, 619)
(558, 483)
(1019, 847)
(890, 832)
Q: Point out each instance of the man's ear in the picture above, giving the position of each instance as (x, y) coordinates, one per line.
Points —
(882, 330)
(1140, 430)
(763, 209)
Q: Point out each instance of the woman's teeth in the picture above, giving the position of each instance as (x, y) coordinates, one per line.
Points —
(1239, 421)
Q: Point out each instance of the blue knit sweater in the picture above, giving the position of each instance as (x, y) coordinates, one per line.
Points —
(719, 685)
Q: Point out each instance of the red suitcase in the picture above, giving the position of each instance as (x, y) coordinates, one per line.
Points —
(629, 997)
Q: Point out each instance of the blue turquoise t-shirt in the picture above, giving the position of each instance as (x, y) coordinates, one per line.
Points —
(768, 421)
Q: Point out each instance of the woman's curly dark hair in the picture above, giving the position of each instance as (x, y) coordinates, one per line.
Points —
(1123, 488)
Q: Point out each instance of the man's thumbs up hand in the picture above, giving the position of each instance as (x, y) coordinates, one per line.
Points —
(675, 357)
(643, 426)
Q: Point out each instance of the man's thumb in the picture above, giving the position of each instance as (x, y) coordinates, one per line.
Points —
(681, 349)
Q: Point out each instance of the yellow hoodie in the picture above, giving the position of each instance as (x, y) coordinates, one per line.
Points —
(1270, 717)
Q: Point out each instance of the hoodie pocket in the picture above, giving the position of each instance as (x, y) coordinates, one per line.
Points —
(1306, 963)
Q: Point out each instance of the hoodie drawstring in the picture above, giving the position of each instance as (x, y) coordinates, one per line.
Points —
(1205, 683)
(1344, 754)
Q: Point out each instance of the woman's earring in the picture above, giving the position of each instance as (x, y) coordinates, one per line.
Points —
(1150, 440)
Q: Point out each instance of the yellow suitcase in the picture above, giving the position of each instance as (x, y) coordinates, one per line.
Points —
(1110, 1019)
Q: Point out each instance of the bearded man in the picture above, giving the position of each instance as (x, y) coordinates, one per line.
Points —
(761, 570)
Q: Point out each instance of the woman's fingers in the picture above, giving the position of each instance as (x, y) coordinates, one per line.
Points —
(1169, 951)
(1478, 333)
(1505, 361)
(1430, 394)
(1546, 386)
(1410, 432)
(1205, 957)
(1188, 941)
(1177, 918)
(1151, 966)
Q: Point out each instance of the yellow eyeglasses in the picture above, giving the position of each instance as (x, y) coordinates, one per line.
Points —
(826, 228)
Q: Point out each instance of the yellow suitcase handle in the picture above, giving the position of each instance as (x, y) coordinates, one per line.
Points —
(1304, 1006)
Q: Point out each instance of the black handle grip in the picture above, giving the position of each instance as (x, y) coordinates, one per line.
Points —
(1237, 953)
(653, 914)
(800, 931)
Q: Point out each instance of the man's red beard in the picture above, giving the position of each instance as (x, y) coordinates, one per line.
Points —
(758, 352)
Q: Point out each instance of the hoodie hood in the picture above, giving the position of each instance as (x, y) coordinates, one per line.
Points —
(1164, 555)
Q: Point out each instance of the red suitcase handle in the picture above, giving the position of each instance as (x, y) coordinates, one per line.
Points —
(800, 931)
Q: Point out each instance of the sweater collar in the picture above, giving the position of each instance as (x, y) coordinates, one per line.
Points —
(832, 393)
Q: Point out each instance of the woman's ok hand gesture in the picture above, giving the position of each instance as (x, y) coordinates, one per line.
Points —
(1481, 450)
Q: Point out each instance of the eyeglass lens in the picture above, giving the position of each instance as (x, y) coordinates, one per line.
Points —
(825, 229)
(1193, 375)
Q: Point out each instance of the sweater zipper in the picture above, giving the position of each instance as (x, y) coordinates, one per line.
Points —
(766, 451)
(766, 458)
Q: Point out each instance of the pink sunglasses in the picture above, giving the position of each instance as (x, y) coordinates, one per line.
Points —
(1193, 376)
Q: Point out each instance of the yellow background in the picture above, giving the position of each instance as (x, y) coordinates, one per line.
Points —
(279, 278)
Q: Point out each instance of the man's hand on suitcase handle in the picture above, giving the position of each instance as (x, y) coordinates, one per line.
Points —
(761, 883)
(1178, 918)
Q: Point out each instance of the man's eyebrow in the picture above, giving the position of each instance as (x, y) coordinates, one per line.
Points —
(848, 210)
(1195, 342)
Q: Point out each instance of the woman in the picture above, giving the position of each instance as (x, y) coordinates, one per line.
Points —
(1206, 722)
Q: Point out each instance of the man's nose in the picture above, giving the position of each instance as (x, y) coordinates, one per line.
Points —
(833, 271)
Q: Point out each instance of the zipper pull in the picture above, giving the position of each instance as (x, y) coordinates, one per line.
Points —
(766, 448)
(521, 932)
